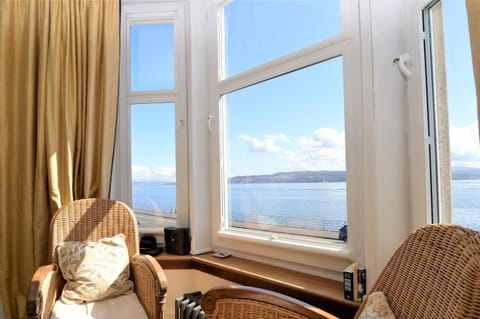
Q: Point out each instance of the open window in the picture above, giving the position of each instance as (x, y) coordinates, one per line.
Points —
(453, 141)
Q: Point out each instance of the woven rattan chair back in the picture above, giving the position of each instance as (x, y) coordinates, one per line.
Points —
(243, 302)
(91, 220)
(434, 274)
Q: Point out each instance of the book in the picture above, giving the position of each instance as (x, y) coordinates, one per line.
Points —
(350, 281)
(361, 283)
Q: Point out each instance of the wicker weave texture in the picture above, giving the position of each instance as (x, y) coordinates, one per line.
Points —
(434, 274)
(232, 308)
(244, 302)
(152, 293)
(92, 219)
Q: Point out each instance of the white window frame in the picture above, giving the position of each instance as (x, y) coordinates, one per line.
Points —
(300, 253)
(422, 211)
(135, 13)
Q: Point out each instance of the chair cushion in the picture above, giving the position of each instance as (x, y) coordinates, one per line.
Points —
(376, 307)
(94, 270)
(122, 307)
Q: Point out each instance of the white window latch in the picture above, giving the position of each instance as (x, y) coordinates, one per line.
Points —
(401, 62)
(210, 119)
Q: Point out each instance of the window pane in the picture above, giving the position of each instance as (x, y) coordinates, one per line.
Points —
(256, 32)
(462, 115)
(153, 161)
(285, 153)
(152, 65)
(455, 108)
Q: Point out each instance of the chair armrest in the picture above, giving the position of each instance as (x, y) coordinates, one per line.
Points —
(226, 301)
(47, 283)
(150, 284)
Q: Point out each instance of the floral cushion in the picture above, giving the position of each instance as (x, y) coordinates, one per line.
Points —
(377, 307)
(94, 270)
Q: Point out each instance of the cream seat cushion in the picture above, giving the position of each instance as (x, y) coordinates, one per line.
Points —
(122, 307)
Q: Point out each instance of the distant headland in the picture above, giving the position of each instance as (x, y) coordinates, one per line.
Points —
(458, 173)
(292, 177)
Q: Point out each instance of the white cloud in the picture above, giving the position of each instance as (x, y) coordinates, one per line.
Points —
(325, 150)
(277, 137)
(269, 143)
(464, 146)
(330, 137)
(142, 173)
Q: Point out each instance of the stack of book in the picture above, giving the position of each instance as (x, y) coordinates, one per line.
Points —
(355, 282)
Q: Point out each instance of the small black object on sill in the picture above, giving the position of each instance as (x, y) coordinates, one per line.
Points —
(148, 246)
(177, 240)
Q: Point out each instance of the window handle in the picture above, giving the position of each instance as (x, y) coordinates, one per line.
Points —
(210, 119)
(401, 62)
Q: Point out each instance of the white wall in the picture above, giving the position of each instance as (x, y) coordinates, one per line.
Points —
(188, 280)
(200, 14)
(388, 201)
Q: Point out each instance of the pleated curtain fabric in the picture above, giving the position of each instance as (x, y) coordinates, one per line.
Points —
(59, 62)
(473, 12)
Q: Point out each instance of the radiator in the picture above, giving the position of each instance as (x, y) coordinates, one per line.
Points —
(188, 306)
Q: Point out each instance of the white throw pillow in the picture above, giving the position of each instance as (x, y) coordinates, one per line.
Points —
(377, 307)
(94, 270)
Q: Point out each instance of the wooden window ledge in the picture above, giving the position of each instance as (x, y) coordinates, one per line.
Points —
(321, 292)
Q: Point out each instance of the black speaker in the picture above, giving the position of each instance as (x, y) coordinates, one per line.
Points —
(177, 240)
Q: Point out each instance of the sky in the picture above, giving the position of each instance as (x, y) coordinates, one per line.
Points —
(462, 101)
(293, 122)
(152, 125)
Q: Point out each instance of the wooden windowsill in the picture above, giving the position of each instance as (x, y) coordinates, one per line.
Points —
(321, 292)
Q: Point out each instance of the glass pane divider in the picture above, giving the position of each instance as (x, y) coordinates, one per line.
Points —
(152, 97)
(295, 61)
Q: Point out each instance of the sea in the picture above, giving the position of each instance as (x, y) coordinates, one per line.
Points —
(323, 205)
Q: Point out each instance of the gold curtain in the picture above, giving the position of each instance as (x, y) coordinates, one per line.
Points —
(58, 102)
(473, 11)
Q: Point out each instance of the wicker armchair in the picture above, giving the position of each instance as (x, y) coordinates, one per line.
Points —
(435, 273)
(91, 220)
